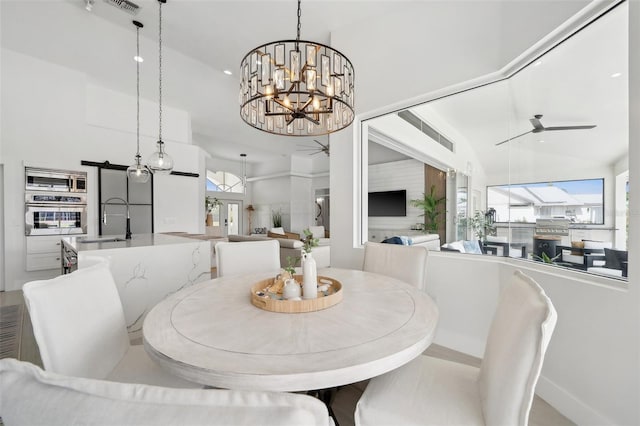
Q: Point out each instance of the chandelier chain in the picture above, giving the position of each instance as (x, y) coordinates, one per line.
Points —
(299, 15)
(160, 71)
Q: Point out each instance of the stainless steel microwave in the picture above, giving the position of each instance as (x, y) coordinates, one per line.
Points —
(55, 180)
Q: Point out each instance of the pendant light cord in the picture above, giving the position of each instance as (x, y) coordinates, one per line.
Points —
(160, 70)
(137, 93)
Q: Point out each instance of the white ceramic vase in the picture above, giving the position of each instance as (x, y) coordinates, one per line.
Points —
(309, 277)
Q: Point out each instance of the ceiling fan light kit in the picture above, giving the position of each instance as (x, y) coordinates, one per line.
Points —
(296, 88)
(538, 127)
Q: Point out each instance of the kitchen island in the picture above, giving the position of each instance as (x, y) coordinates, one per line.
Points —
(146, 268)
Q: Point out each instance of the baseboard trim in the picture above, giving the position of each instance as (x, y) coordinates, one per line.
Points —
(568, 405)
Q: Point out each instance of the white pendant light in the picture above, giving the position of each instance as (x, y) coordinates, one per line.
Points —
(138, 172)
(160, 162)
(244, 173)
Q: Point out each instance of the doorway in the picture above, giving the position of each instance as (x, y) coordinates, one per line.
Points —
(322, 203)
(227, 219)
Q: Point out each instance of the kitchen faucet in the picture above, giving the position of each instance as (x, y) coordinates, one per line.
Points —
(104, 215)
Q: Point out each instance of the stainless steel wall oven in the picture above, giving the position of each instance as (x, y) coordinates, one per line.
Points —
(55, 202)
(37, 179)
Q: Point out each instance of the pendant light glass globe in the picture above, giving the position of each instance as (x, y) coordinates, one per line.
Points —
(138, 172)
(160, 162)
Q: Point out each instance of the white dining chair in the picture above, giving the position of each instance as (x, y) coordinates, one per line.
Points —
(431, 391)
(247, 257)
(31, 396)
(406, 263)
(79, 326)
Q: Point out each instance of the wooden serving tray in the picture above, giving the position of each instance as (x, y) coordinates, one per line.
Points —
(324, 300)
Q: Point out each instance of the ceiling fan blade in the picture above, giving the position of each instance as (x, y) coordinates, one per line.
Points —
(535, 122)
(321, 144)
(510, 139)
(570, 127)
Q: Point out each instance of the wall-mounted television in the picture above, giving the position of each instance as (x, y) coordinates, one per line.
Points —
(388, 203)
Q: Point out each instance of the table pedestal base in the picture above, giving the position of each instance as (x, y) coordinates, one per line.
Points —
(327, 396)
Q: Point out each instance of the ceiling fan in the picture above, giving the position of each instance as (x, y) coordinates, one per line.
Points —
(539, 128)
(316, 149)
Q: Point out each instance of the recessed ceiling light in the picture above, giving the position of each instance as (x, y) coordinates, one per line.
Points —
(537, 63)
(541, 141)
(616, 74)
(138, 58)
(227, 72)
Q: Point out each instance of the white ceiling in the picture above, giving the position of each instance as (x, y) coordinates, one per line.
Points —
(204, 37)
(570, 85)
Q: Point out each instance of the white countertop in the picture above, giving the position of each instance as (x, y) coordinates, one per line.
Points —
(103, 242)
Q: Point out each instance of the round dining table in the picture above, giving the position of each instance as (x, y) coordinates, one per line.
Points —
(211, 333)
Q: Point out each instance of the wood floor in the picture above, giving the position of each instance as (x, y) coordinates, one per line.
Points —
(542, 414)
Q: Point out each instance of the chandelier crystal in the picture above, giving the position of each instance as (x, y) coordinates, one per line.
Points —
(138, 172)
(160, 162)
(296, 88)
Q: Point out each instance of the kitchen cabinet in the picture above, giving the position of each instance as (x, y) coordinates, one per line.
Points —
(43, 252)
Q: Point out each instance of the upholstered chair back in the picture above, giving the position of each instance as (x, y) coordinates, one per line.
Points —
(78, 322)
(518, 338)
(247, 257)
(406, 263)
(31, 396)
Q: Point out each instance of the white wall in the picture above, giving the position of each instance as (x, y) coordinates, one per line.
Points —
(287, 185)
(592, 368)
(587, 359)
(407, 175)
(53, 117)
(271, 195)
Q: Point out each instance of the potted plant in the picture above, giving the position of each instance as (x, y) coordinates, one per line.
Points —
(211, 203)
(430, 204)
(481, 224)
(309, 241)
(276, 218)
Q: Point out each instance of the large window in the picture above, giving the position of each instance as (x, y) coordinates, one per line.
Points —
(548, 141)
(223, 182)
(580, 201)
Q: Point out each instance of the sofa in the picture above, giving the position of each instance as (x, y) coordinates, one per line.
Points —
(321, 235)
(583, 254)
(465, 246)
(430, 241)
(615, 264)
(281, 233)
(290, 248)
